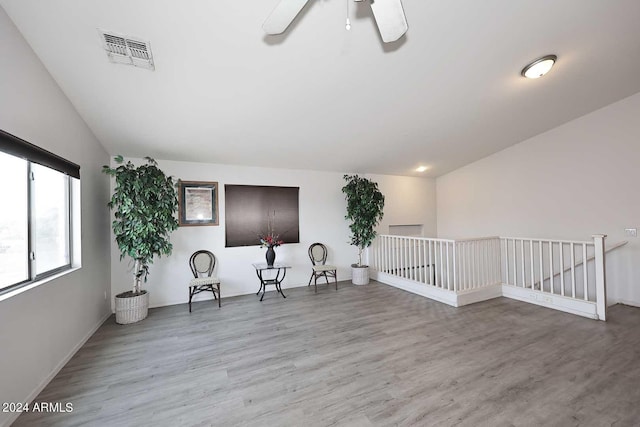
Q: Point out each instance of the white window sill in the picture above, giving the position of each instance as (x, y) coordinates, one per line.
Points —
(36, 284)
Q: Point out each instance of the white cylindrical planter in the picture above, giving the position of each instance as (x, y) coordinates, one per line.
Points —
(360, 275)
(131, 309)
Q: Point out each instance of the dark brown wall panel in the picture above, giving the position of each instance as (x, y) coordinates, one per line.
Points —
(249, 208)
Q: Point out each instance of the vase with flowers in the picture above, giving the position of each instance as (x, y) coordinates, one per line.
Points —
(270, 240)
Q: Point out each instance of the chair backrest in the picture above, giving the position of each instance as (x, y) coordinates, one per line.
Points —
(318, 253)
(202, 263)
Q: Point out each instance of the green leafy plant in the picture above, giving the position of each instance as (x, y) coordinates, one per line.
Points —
(365, 209)
(145, 202)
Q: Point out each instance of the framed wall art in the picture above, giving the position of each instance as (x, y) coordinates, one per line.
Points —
(198, 203)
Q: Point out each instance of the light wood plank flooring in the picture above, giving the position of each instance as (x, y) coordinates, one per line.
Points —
(360, 356)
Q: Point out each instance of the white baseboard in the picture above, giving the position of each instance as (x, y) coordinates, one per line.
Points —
(209, 297)
(31, 397)
(628, 302)
(485, 293)
(556, 302)
(431, 292)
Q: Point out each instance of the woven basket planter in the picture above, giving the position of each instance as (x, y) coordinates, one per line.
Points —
(131, 309)
(359, 275)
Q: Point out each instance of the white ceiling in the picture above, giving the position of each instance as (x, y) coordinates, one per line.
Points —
(320, 97)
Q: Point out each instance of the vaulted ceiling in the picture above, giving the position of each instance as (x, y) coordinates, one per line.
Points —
(321, 97)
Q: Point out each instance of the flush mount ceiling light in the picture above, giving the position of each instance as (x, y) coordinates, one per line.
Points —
(539, 67)
(421, 168)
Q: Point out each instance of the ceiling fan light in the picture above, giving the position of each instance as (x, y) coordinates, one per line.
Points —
(539, 67)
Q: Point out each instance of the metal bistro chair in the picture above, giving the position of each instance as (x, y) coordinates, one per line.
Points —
(202, 264)
(318, 256)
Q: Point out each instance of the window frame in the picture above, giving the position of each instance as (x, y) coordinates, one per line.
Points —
(32, 244)
(14, 146)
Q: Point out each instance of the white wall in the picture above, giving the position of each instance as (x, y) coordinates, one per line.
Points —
(321, 212)
(42, 327)
(578, 179)
(408, 201)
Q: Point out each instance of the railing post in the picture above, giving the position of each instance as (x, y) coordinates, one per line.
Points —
(455, 268)
(601, 280)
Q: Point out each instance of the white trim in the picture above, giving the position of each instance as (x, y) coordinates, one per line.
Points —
(14, 416)
(431, 292)
(556, 302)
(37, 283)
(627, 302)
(472, 296)
(444, 296)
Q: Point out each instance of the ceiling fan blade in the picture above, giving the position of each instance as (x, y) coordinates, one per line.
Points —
(282, 16)
(390, 18)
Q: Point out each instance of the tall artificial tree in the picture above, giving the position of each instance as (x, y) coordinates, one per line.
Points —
(365, 209)
(145, 202)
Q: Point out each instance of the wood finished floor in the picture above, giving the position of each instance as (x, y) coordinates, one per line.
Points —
(360, 356)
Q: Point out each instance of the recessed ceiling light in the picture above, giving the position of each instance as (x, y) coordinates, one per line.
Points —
(539, 67)
(421, 169)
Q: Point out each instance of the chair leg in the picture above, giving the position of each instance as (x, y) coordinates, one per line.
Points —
(190, 296)
(214, 293)
(219, 296)
(311, 278)
(315, 282)
(335, 276)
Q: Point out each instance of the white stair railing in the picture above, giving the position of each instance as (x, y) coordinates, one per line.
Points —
(529, 269)
(557, 267)
(452, 265)
(428, 261)
(478, 263)
(536, 264)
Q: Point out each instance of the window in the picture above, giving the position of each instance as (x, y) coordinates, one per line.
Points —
(39, 195)
(51, 218)
(14, 221)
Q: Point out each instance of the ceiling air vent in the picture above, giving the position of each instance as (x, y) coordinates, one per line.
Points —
(127, 50)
